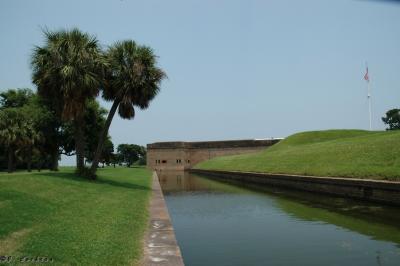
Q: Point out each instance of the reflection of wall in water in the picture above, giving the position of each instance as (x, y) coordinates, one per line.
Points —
(175, 180)
(183, 181)
(184, 155)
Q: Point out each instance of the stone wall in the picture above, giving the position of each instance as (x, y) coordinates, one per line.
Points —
(184, 155)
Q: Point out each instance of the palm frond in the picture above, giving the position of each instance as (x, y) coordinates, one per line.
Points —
(70, 67)
(133, 76)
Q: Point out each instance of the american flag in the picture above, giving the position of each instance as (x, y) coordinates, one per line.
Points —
(366, 76)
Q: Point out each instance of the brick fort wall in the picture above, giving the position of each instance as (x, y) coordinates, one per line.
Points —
(184, 155)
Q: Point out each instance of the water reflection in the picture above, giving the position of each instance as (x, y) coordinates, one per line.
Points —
(220, 223)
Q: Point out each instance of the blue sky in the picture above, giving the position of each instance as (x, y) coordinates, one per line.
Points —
(236, 69)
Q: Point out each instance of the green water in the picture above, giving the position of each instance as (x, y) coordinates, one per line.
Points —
(224, 223)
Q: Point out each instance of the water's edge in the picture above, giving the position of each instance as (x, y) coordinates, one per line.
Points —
(161, 247)
(387, 192)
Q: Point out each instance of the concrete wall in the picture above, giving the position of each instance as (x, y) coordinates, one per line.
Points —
(373, 190)
(161, 247)
(184, 155)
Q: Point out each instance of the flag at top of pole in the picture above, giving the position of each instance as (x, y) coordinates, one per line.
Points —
(366, 76)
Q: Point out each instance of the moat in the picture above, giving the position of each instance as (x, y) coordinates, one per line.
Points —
(225, 223)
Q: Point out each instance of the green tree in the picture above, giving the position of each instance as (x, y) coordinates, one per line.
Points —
(95, 118)
(49, 124)
(17, 134)
(143, 159)
(3, 156)
(392, 119)
(34, 117)
(15, 98)
(132, 79)
(94, 123)
(23, 106)
(107, 152)
(44, 118)
(10, 123)
(8, 99)
(68, 70)
(129, 153)
(114, 159)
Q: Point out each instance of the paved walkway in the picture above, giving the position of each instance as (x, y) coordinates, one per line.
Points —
(161, 247)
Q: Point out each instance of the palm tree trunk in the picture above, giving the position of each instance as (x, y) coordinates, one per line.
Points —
(102, 138)
(79, 143)
(54, 159)
(10, 159)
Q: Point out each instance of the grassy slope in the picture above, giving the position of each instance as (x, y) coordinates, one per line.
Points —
(345, 153)
(72, 220)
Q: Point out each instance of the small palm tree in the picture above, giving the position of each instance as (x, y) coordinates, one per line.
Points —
(17, 133)
(69, 69)
(132, 79)
(9, 130)
(29, 143)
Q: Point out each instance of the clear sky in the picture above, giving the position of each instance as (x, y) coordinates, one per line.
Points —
(236, 69)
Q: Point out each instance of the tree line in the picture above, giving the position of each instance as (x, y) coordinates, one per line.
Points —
(392, 119)
(70, 70)
(28, 141)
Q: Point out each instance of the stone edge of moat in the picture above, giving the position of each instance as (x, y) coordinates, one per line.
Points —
(161, 247)
(381, 191)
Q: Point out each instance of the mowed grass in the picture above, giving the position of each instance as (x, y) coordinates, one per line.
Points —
(74, 221)
(342, 153)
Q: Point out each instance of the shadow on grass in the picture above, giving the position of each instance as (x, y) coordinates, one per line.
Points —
(98, 181)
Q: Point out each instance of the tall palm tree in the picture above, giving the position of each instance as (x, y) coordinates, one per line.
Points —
(132, 79)
(69, 69)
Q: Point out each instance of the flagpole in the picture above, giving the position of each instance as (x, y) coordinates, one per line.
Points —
(366, 77)
(369, 105)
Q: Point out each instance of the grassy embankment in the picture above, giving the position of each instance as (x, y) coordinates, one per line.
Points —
(343, 153)
(72, 220)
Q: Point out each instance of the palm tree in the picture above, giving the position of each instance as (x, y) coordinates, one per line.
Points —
(9, 130)
(29, 142)
(17, 133)
(133, 79)
(68, 69)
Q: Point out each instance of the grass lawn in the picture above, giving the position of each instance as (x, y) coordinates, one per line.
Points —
(343, 153)
(72, 220)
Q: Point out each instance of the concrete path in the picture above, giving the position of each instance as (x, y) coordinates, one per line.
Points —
(161, 247)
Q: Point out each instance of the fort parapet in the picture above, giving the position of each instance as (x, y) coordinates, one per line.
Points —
(180, 155)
